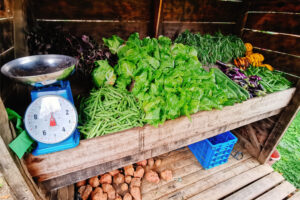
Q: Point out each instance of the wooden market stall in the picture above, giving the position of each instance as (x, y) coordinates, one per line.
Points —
(273, 27)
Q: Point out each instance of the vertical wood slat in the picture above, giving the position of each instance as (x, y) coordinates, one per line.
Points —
(20, 43)
(286, 117)
(157, 17)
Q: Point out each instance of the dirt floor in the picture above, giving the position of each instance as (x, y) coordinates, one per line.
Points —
(289, 148)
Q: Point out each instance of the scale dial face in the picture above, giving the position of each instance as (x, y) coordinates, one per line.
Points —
(50, 119)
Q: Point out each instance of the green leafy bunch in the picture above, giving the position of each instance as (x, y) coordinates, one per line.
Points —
(167, 79)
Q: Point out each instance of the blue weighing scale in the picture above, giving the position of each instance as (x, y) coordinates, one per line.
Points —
(51, 118)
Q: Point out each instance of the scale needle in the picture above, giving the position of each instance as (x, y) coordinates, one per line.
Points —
(52, 120)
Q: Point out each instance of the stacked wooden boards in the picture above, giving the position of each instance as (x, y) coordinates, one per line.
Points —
(101, 154)
(238, 179)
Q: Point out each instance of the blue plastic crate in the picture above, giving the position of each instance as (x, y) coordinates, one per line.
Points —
(214, 151)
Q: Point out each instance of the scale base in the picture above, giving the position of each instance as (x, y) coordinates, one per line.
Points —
(69, 143)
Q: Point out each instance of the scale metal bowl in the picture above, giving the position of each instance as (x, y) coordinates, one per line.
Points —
(40, 70)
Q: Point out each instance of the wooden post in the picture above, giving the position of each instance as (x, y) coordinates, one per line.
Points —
(286, 117)
(8, 167)
(157, 16)
(20, 23)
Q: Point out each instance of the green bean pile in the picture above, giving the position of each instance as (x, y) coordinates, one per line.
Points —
(108, 110)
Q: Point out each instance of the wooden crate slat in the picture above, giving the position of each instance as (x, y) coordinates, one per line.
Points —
(210, 11)
(93, 9)
(276, 42)
(275, 5)
(6, 35)
(138, 140)
(198, 181)
(233, 184)
(295, 196)
(279, 192)
(281, 62)
(173, 29)
(257, 188)
(276, 22)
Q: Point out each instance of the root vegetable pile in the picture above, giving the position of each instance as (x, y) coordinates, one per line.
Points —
(124, 183)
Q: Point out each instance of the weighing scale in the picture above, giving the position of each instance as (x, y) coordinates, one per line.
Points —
(51, 118)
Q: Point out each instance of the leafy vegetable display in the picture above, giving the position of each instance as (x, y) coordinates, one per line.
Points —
(109, 110)
(211, 48)
(45, 39)
(168, 80)
(272, 81)
(251, 83)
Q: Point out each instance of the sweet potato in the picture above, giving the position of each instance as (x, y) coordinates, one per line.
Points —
(139, 172)
(94, 181)
(152, 177)
(111, 194)
(142, 163)
(114, 172)
(157, 163)
(128, 179)
(81, 189)
(135, 182)
(121, 189)
(147, 168)
(127, 196)
(166, 175)
(106, 187)
(100, 196)
(118, 179)
(106, 178)
(88, 190)
(118, 198)
(129, 170)
(136, 193)
(95, 191)
(150, 162)
(81, 183)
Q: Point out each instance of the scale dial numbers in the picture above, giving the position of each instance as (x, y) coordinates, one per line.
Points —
(50, 119)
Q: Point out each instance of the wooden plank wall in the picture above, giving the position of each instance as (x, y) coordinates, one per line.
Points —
(273, 27)
(102, 18)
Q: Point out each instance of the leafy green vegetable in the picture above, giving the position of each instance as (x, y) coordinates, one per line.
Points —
(168, 80)
(103, 74)
(113, 43)
(272, 81)
(211, 48)
(108, 110)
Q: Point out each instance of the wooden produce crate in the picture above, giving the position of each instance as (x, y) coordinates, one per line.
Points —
(101, 154)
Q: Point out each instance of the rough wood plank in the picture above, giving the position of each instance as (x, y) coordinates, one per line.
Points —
(233, 184)
(187, 184)
(98, 30)
(93, 9)
(20, 23)
(247, 145)
(173, 29)
(253, 138)
(8, 167)
(282, 62)
(277, 22)
(286, 117)
(203, 10)
(295, 196)
(276, 5)
(257, 188)
(66, 193)
(276, 42)
(279, 192)
(6, 35)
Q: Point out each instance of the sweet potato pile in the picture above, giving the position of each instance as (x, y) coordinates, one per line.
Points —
(124, 183)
